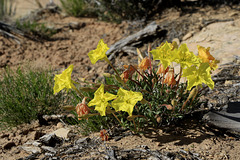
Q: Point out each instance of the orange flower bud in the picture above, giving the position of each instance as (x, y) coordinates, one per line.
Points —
(145, 64)
(104, 135)
(170, 80)
(162, 70)
(82, 108)
(127, 73)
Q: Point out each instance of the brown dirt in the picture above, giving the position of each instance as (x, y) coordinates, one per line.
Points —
(71, 47)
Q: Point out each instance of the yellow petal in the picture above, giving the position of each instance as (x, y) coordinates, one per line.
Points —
(100, 100)
(126, 100)
(63, 80)
(99, 53)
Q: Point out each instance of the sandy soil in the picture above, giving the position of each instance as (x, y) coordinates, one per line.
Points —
(71, 47)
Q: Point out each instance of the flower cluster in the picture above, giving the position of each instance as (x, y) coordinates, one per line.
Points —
(159, 90)
(197, 69)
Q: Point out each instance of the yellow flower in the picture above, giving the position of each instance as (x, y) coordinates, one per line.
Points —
(213, 64)
(63, 80)
(126, 100)
(101, 99)
(99, 53)
(206, 57)
(204, 54)
(184, 57)
(163, 53)
(197, 76)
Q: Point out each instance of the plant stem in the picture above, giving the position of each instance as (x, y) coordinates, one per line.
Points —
(140, 74)
(80, 94)
(149, 56)
(180, 75)
(115, 71)
(118, 120)
(135, 125)
(135, 82)
(113, 67)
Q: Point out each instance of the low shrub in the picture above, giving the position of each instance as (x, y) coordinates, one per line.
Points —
(25, 95)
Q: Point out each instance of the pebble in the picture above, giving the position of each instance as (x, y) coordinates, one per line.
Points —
(187, 36)
(82, 140)
(153, 158)
(62, 133)
(50, 149)
(31, 149)
(50, 139)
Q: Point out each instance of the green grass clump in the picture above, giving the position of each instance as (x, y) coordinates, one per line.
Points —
(74, 7)
(80, 8)
(36, 29)
(24, 95)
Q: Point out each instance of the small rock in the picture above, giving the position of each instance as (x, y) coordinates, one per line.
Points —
(228, 83)
(37, 144)
(50, 140)
(82, 140)
(34, 143)
(187, 36)
(153, 158)
(76, 25)
(59, 125)
(9, 145)
(50, 149)
(31, 149)
(49, 154)
(62, 133)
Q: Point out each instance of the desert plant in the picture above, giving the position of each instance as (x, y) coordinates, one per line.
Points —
(25, 95)
(144, 96)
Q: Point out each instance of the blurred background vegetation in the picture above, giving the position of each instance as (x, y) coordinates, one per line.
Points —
(110, 10)
(7, 9)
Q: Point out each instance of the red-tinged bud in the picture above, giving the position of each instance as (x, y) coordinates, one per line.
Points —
(127, 73)
(145, 64)
(161, 70)
(82, 108)
(170, 80)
